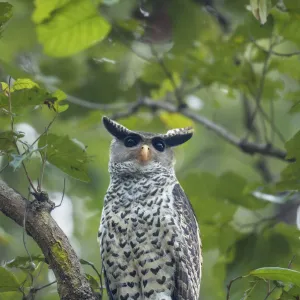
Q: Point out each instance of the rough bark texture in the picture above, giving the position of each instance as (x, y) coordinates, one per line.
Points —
(59, 254)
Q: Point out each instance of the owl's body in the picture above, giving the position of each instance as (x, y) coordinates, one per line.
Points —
(149, 237)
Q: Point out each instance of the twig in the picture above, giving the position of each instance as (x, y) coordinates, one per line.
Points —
(230, 284)
(270, 292)
(4, 167)
(63, 195)
(44, 159)
(163, 66)
(12, 129)
(291, 261)
(275, 52)
(245, 146)
(98, 274)
(261, 83)
(44, 286)
(261, 165)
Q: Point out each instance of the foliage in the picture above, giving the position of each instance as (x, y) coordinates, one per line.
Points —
(232, 68)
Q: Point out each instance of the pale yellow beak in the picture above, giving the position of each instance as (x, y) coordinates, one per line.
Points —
(144, 154)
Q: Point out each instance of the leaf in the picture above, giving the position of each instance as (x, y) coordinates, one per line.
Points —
(65, 154)
(7, 140)
(8, 281)
(275, 273)
(53, 102)
(25, 263)
(92, 281)
(5, 13)
(73, 28)
(175, 120)
(233, 188)
(260, 9)
(43, 9)
(292, 147)
(24, 97)
(24, 83)
(17, 159)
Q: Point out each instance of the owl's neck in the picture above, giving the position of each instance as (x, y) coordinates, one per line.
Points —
(132, 170)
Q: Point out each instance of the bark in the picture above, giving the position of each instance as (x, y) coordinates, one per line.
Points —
(59, 254)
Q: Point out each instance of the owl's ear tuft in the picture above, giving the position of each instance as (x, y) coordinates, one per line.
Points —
(178, 136)
(114, 128)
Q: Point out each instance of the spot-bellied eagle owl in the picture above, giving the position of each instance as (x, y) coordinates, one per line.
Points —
(149, 236)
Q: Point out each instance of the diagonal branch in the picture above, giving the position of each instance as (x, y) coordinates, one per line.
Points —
(243, 145)
(62, 259)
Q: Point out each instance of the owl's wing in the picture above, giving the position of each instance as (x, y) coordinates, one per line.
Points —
(188, 267)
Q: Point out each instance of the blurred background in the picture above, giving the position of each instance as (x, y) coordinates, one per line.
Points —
(228, 61)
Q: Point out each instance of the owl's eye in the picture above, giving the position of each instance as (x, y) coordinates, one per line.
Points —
(159, 144)
(131, 141)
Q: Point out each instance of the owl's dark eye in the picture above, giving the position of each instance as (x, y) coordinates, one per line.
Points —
(159, 144)
(131, 141)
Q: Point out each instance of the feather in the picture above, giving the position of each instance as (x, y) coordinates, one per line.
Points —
(114, 128)
(178, 136)
(188, 267)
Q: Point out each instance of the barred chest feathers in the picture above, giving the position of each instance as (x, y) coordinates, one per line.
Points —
(138, 233)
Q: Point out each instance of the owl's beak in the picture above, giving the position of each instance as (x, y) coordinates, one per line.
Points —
(144, 154)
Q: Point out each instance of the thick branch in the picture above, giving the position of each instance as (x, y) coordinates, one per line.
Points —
(62, 259)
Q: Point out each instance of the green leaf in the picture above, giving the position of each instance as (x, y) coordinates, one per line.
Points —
(59, 96)
(24, 97)
(25, 263)
(43, 9)
(73, 28)
(23, 83)
(175, 120)
(275, 273)
(7, 140)
(92, 281)
(5, 13)
(17, 159)
(8, 281)
(292, 147)
(233, 188)
(65, 154)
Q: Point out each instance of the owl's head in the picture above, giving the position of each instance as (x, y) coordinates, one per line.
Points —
(134, 151)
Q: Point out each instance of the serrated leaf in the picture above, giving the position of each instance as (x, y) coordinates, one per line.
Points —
(8, 281)
(65, 154)
(73, 28)
(275, 273)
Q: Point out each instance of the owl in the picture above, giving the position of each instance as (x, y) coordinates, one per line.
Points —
(149, 236)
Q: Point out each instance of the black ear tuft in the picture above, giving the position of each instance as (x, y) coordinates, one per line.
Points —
(178, 136)
(115, 129)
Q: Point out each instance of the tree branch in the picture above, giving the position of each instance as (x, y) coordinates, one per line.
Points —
(245, 146)
(62, 259)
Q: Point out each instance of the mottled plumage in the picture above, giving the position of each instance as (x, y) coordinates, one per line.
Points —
(149, 237)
